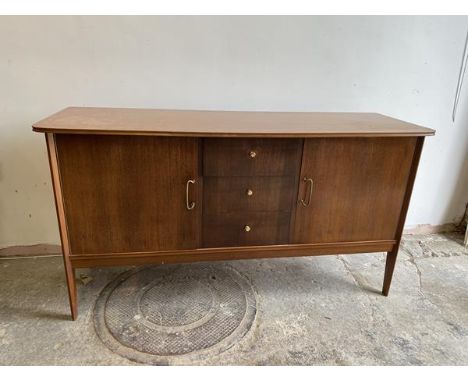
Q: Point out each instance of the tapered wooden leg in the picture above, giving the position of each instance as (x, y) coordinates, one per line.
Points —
(392, 255)
(71, 284)
(69, 271)
(389, 266)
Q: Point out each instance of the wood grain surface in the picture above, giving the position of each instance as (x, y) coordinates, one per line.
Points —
(93, 120)
(128, 193)
(359, 188)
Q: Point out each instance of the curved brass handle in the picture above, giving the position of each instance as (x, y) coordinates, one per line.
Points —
(308, 180)
(189, 205)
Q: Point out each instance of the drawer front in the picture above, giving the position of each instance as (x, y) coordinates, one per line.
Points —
(241, 229)
(251, 156)
(231, 194)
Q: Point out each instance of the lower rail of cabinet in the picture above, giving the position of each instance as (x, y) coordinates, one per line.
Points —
(229, 253)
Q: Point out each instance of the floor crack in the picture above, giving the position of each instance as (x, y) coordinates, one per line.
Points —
(348, 269)
(412, 260)
(360, 285)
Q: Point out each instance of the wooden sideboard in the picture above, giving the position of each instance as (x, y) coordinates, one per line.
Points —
(138, 186)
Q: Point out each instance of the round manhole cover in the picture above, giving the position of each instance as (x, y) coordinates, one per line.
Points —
(154, 313)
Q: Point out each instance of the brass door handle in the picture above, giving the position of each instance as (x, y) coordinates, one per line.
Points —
(309, 197)
(189, 205)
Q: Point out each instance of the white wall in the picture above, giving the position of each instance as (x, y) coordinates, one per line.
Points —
(406, 67)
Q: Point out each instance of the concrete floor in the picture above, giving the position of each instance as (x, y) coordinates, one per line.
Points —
(311, 311)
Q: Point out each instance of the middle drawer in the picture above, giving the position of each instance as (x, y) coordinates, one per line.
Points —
(231, 194)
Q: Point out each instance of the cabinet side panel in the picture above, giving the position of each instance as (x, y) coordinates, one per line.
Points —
(358, 190)
(127, 193)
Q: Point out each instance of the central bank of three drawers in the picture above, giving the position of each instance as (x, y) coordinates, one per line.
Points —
(249, 190)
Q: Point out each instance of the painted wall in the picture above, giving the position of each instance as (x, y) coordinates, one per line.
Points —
(406, 67)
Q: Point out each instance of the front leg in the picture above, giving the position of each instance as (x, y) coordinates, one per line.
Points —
(389, 266)
(71, 284)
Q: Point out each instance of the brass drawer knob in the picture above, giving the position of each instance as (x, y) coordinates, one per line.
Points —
(247, 228)
(252, 154)
(249, 192)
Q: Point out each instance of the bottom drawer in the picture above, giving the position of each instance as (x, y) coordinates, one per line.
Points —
(243, 229)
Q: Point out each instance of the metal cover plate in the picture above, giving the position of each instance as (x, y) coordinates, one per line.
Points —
(153, 314)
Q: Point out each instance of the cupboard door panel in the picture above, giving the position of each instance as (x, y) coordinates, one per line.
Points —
(358, 188)
(127, 193)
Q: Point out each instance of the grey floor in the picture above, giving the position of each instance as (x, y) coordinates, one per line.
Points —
(310, 311)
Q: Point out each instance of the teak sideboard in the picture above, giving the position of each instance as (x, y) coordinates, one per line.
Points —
(138, 186)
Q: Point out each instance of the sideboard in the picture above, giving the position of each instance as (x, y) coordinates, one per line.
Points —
(138, 186)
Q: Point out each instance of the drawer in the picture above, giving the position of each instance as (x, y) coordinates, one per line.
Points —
(251, 156)
(241, 229)
(254, 193)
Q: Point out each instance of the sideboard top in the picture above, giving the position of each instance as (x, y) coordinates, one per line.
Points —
(93, 120)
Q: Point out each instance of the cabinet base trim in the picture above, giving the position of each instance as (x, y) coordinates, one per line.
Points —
(230, 253)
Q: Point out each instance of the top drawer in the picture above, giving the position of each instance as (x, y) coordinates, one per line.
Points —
(251, 156)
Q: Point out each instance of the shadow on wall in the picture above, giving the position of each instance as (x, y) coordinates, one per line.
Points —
(2, 197)
(27, 210)
(459, 198)
(457, 204)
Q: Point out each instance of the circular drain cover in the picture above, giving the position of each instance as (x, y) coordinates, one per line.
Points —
(150, 314)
